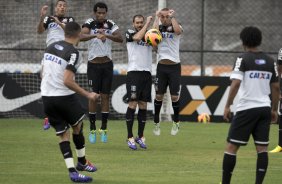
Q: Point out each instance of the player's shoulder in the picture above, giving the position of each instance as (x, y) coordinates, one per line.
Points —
(111, 22)
(130, 31)
(89, 21)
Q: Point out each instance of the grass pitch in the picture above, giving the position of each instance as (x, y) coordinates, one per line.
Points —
(30, 155)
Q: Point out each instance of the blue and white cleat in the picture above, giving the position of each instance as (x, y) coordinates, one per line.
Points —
(104, 135)
(92, 136)
(89, 167)
(141, 142)
(131, 143)
(46, 124)
(79, 178)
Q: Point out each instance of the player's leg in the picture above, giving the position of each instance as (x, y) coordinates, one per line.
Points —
(141, 117)
(129, 124)
(261, 139)
(229, 162)
(278, 148)
(106, 86)
(174, 87)
(94, 82)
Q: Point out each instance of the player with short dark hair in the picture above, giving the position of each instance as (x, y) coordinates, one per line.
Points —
(139, 79)
(252, 70)
(168, 68)
(61, 105)
(278, 148)
(100, 65)
(54, 24)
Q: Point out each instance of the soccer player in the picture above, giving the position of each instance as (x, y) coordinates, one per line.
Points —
(54, 24)
(100, 65)
(60, 102)
(278, 148)
(168, 68)
(139, 79)
(254, 78)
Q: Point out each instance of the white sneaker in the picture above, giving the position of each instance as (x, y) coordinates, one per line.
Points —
(157, 129)
(175, 128)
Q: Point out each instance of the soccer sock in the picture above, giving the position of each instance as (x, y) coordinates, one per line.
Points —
(141, 121)
(92, 119)
(262, 163)
(79, 143)
(229, 162)
(67, 154)
(129, 121)
(175, 106)
(105, 116)
(280, 131)
(157, 105)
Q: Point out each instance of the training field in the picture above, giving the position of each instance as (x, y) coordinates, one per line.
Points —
(29, 155)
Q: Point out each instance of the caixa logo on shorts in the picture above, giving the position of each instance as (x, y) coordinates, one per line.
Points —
(259, 75)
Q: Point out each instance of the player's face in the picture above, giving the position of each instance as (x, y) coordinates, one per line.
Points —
(100, 14)
(164, 18)
(61, 8)
(138, 23)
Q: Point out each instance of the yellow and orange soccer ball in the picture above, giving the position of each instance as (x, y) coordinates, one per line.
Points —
(153, 37)
(204, 118)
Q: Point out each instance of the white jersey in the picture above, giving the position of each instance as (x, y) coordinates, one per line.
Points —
(169, 46)
(54, 31)
(96, 47)
(139, 53)
(58, 57)
(256, 71)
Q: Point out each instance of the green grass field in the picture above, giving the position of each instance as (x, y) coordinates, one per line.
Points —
(29, 155)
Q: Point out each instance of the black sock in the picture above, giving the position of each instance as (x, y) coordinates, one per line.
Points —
(105, 116)
(229, 162)
(66, 152)
(79, 143)
(129, 121)
(262, 163)
(175, 106)
(92, 119)
(157, 105)
(280, 130)
(141, 121)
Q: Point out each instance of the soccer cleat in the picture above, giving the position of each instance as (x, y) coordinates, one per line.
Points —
(46, 124)
(89, 167)
(131, 143)
(141, 142)
(79, 178)
(276, 150)
(92, 136)
(104, 136)
(157, 129)
(175, 128)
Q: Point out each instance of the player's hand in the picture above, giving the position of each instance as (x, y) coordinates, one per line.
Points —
(227, 114)
(101, 31)
(93, 96)
(171, 13)
(274, 116)
(101, 37)
(43, 11)
(149, 19)
(158, 13)
(55, 19)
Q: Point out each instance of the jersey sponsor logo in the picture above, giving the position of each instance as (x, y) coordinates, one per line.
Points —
(238, 64)
(59, 47)
(259, 75)
(53, 58)
(12, 104)
(73, 58)
(53, 25)
(260, 61)
(142, 43)
(167, 35)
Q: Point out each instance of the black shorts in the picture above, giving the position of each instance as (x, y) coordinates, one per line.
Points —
(168, 75)
(255, 122)
(100, 77)
(139, 86)
(63, 112)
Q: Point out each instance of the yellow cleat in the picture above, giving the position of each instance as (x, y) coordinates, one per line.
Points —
(276, 150)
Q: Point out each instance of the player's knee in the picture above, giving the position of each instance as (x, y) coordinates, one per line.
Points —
(142, 105)
(78, 129)
(174, 98)
(261, 148)
(232, 148)
(159, 97)
(132, 104)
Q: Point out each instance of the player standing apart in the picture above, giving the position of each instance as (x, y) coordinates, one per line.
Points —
(100, 65)
(61, 105)
(139, 79)
(252, 70)
(54, 25)
(168, 68)
(278, 148)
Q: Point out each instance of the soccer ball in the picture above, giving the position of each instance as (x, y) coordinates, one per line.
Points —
(153, 37)
(204, 118)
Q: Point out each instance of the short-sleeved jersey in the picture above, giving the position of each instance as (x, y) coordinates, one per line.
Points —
(58, 57)
(96, 47)
(54, 31)
(169, 46)
(139, 53)
(256, 71)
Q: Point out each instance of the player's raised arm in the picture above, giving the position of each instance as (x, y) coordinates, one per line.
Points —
(40, 26)
(116, 36)
(140, 34)
(157, 19)
(176, 26)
